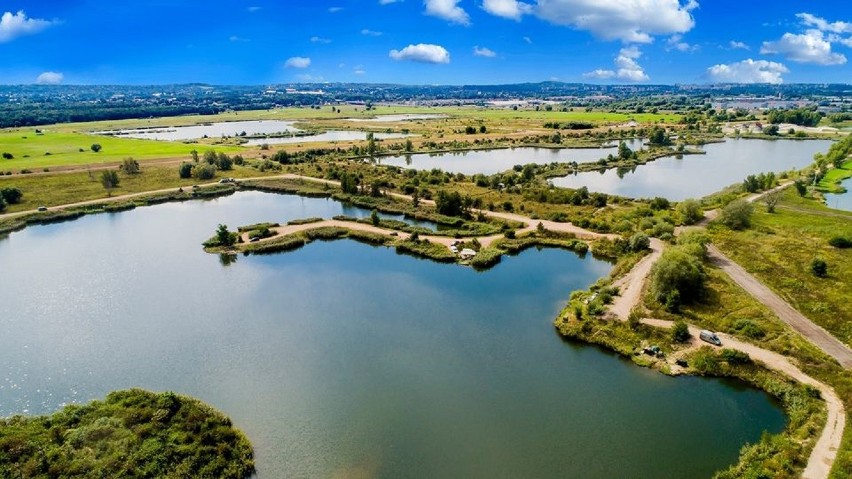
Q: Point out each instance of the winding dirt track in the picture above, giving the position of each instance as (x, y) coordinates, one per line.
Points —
(807, 328)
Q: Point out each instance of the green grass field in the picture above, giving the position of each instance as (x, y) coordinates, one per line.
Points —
(831, 181)
(30, 150)
(779, 248)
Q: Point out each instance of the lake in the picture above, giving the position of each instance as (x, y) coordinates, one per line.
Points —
(342, 359)
(250, 127)
(695, 176)
(400, 117)
(332, 135)
(211, 130)
(841, 201)
(488, 162)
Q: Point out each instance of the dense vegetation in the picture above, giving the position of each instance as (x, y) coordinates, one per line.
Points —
(133, 434)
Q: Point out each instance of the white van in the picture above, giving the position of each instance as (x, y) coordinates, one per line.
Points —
(710, 337)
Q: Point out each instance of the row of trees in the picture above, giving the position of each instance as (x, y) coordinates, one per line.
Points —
(798, 116)
(206, 169)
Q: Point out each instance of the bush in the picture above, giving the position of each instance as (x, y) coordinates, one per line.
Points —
(129, 166)
(11, 195)
(678, 276)
(96, 147)
(737, 215)
(639, 242)
(836, 241)
(205, 172)
(185, 170)
(690, 211)
(819, 268)
(749, 329)
(734, 356)
(680, 332)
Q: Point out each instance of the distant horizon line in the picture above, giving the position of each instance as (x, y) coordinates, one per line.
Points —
(432, 85)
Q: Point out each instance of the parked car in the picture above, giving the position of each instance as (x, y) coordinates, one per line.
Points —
(710, 337)
(42, 208)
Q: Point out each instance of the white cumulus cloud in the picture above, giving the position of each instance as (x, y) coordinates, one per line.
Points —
(675, 42)
(448, 10)
(823, 24)
(388, 2)
(631, 21)
(507, 8)
(627, 67)
(50, 78)
(297, 62)
(14, 25)
(747, 71)
(370, 33)
(484, 52)
(809, 47)
(423, 53)
(735, 45)
(316, 39)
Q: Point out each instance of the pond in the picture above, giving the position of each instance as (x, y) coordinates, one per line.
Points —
(212, 130)
(400, 117)
(841, 201)
(341, 359)
(488, 162)
(694, 176)
(332, 135)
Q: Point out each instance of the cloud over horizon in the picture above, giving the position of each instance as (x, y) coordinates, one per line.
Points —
(747, 71)
(422, 53)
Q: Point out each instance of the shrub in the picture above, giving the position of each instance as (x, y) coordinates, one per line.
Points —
(735, 356)
(129, 166)
(819, 268)
(639, 242)
(749, 329)
(11, 195)
(185, 170)
(737, 215)
(8, 156)
(680, 332)
(96, 147)
(205, 172)
(690, 211)
(836, 241)
(678, 276)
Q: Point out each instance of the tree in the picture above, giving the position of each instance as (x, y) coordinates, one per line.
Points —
(819, 268)
(11, 195)
(771, 130)
(624, 152)
(109, 179)
(129, 166)
(210, 157)
(658, 137)
(8, 156)
(348, 184)
(680, 332)
(677, 277)
(2, 204)
(185, 170)
(374, 218)
(372, 147)
(194, 154)
(801, 187)
(737, 215)
(224, 162)
(96, 147)
(771, 200)
(409, 146)
(225, 237)
(690, 211)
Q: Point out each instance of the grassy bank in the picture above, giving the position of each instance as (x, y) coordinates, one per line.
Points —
(131, 433)
(779, 249)
(830, 183)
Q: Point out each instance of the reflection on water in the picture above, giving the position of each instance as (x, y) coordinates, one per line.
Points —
(345, 358)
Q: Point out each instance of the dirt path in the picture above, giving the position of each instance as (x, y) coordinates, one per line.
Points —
(817, 335)
(825, 451)
(631, 284)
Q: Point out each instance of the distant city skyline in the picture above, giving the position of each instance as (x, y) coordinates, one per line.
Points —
(421, 42)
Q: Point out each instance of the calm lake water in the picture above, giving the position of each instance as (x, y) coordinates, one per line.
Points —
(212, 130)
(841, 201)
(332, 135)
(400, 117)
(695, 176)
(342, 359)
(489, 162)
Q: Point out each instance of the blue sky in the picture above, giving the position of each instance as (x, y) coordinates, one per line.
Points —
(424, 41)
